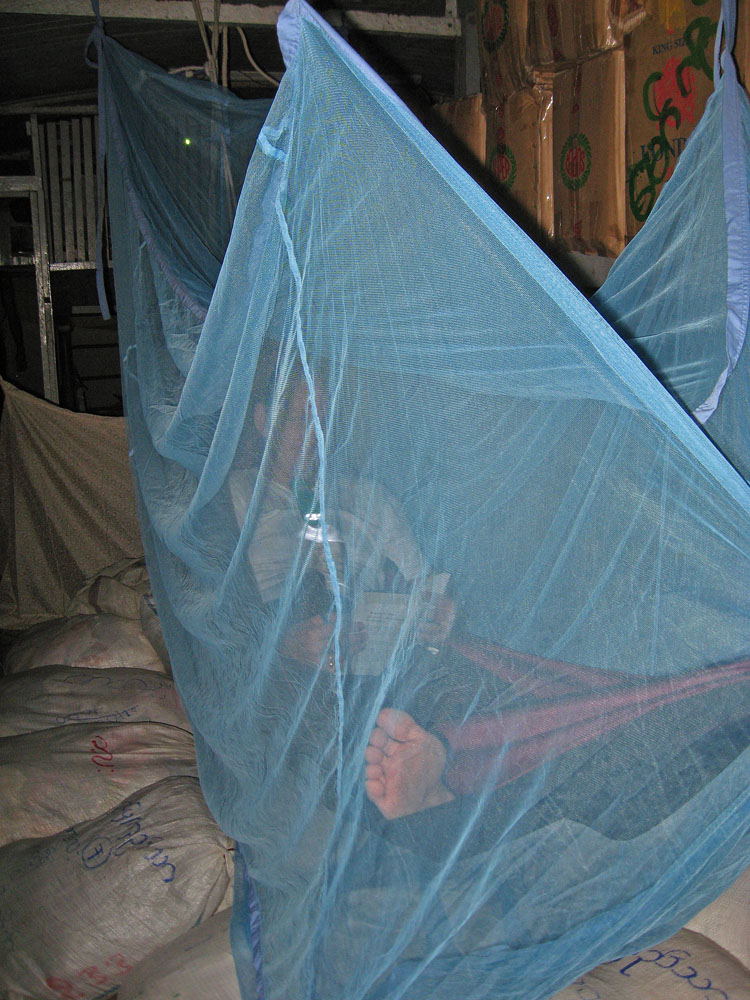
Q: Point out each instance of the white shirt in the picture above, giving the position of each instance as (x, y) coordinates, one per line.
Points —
(370, 523)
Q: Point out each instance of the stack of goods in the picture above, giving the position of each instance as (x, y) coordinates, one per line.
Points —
(467, 124)
(107, 849)
(673, 970)
(194, 967)
(711, 956)
(589, 103)
(113, 875)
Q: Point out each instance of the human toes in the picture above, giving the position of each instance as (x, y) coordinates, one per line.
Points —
(379, 738)
(374, 755)
(398, 725)
(374, 772)
(374, 784)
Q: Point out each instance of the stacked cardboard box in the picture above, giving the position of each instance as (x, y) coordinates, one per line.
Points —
(569, 30)
(553, 84)
(669, 78)
(466, 120)
(519, 151)
(589, 104)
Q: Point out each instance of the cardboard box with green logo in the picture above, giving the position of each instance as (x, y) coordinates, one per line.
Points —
(468, 123)
(563, 31)
(669, 74)
(590, 159)
(503, 47)
(589, 155)
(519, 154)
(516, 37)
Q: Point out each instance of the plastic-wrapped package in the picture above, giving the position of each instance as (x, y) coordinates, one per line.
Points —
(79, 909)
(62, 696)
(676, 969)
(197, 965)
(100, 640)
(54, 778)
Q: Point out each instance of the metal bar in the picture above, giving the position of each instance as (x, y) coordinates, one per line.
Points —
(395, 24)
(39, 146)
(73, 265)
(94, 347)
(89, 183)
(41, 268)
(78, 207)
(11, 185)
(182, 10)
(27, 107)
(53, 191)
(44, 301)
(66, 193)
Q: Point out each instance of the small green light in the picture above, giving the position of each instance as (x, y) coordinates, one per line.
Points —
(188, 141)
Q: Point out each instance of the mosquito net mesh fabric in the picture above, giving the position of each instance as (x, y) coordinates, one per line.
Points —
(455, 593)
(680, 293)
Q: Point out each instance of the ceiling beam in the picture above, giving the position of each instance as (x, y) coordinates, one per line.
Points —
(248, 14)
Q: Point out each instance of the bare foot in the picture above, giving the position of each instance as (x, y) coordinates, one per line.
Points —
(405, 766)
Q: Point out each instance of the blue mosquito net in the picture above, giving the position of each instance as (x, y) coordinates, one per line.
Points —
(680, 292)
(456, 594)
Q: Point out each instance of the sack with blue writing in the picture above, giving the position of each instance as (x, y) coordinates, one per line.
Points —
(80, 909)
(684, 967)
(54, 778)
(64, 696)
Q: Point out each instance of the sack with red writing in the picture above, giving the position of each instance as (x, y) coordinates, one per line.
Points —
(54, 778)
(199, 964)
(80, 909)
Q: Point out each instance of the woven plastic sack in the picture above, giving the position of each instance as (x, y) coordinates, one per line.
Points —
(79, 909)
(149, 618)
(116, 590)
(196, 966)
(54, 778)
(62, 696)
(99, 640)
(726, 921)
(684, 967)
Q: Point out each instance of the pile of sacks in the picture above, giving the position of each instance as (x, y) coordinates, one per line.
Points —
(113, 875)
(107, 849)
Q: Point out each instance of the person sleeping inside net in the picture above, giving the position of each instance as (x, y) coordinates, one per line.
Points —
(454, 727)
(278, 474)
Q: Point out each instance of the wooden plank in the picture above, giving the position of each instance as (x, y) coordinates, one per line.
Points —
(22, 184)
(39, 144)
(89, 183)
(66, 191)
(79, 206)
(53, 191)
(250, 14)
(44, 302)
